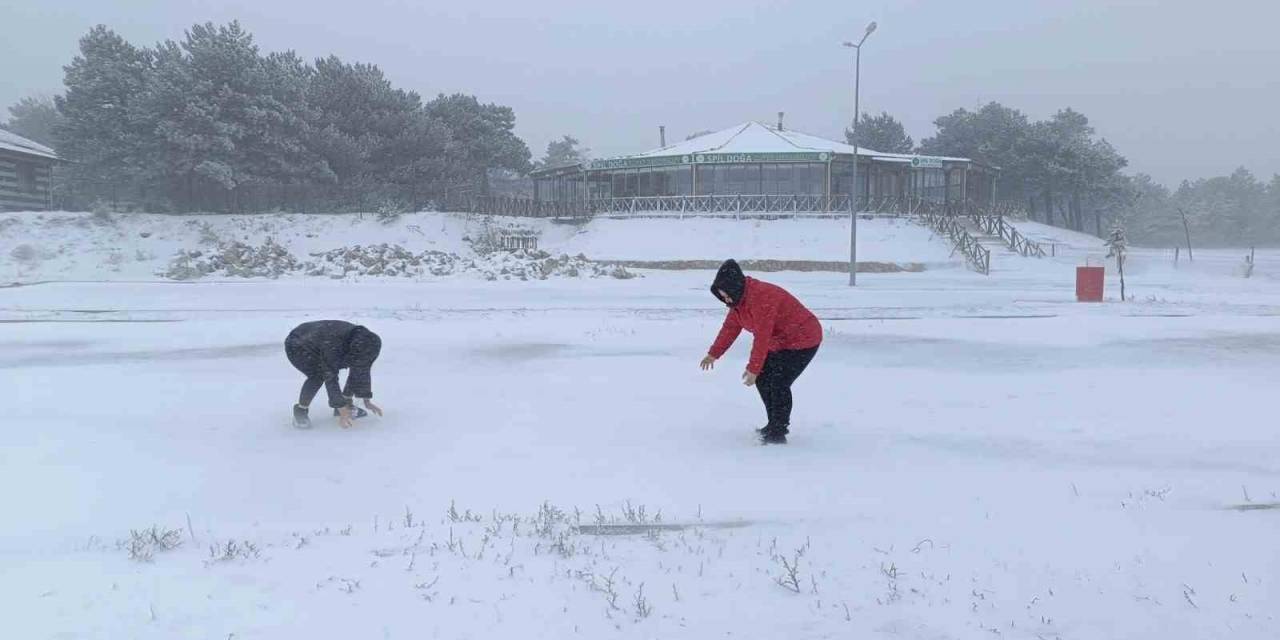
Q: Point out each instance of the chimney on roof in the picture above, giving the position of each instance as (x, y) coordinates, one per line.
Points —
(780, 114)
(662, 136)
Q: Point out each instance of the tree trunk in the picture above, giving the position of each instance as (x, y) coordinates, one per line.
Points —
(1077, 217)
(1120, 268)
(1048, 207)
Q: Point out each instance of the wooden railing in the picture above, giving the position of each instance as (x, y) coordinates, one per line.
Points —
(994, 224)
(722, 205)
(947, 224)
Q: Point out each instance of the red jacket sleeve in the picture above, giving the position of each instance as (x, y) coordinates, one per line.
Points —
(728, 333)
(767, 313)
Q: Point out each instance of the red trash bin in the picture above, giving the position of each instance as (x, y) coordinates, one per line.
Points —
(1089, 284)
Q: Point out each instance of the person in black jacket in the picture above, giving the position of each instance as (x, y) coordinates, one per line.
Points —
(319, 350)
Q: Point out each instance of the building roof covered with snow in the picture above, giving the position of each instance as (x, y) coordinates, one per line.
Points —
(773, 166)
(10, 141)
(755, 137)
(26, 169)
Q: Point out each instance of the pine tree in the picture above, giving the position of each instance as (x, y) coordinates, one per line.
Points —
(1226, 209)
(564, 152)
(994, 135)
(483, 138)
(1117, 246)
(225, 115)
(35, 118)
(881, 133)
(102, 133)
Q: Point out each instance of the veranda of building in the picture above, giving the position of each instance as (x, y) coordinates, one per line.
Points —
(764, 168)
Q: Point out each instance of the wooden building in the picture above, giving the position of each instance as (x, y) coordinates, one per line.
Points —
(771, 166)
(26, 170)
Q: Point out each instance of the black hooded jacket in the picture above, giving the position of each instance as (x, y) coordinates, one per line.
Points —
(321, 348)
(730, 280)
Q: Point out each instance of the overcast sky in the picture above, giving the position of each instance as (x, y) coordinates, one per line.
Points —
(1182, 88)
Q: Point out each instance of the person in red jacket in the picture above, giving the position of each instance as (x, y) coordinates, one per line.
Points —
(786, 337)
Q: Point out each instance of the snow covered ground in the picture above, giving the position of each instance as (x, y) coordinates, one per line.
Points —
(971, 457)
(79, 246)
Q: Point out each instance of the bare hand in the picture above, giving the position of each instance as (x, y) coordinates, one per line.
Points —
(368, 404)
(708, 363)
(748, 378)
(344, 417)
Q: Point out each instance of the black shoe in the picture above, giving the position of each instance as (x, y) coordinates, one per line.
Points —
(300, 418)
(356, 412)
(767, 428)
(773, 437)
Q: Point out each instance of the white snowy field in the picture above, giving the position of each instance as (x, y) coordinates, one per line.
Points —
(971, 457)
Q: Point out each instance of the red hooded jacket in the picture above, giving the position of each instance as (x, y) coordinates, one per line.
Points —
(778, 321)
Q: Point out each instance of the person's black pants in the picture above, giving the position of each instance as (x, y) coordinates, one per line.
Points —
(303, 360)
(781, 368)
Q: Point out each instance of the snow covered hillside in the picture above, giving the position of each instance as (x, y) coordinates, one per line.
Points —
(80, 246)
(879, 240)
(1155, 263)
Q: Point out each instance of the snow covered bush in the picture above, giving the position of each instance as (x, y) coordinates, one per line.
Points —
(102, 212)
(25, 254)
(389, 210)
(143, 545)
(208, 235)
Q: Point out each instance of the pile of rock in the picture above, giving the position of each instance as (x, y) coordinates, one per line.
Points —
(234, 259)
(540, 265)
(384, 260)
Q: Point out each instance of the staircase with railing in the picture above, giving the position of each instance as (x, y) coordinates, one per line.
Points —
(992, 221)
(944, 221)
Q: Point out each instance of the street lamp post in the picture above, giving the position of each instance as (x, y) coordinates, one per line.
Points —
(853, 195)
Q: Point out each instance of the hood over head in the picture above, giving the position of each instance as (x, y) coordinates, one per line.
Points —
(731, 280)
(363, 348)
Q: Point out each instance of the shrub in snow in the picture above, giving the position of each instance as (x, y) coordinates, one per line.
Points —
(208, 235)
(25, 254)
(143, 545)
(232, 551)
(389, 210)
(114, 260)
(102, 212)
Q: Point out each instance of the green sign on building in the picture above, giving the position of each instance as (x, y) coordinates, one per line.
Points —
(634, 163)
(926, 163)
(747, 158)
